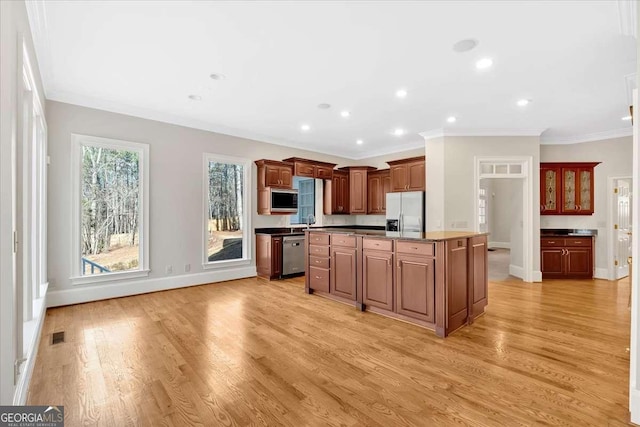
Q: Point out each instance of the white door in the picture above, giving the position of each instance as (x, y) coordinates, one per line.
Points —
(622, 227)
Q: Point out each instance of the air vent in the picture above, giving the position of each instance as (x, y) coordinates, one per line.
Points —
(57, 338)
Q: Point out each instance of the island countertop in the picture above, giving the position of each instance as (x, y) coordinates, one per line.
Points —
(433, 236)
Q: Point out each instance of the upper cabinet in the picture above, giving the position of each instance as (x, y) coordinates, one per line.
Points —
(379, 184)
(276, 174)
(567, 188)
(311, 168)
(336, 194)
(358, 188)
(408, 174)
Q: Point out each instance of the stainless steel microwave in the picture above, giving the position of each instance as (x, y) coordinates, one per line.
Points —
(284, 200)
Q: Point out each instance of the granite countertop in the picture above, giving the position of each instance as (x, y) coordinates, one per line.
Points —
(568, 232)
(430, 236)
(299, 231)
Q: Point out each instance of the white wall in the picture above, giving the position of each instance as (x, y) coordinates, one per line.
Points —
(500, 213)
(616, 157)
(450, 180)
(13, 24)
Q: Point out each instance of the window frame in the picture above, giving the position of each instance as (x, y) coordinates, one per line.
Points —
(142, 149)
(247, 254)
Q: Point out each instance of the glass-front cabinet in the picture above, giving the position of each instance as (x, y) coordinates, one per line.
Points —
(567, 188)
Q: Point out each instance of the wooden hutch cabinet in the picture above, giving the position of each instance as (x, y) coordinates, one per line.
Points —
(408, 174)
(567, 188)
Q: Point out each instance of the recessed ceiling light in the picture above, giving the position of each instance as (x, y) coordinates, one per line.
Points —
(523, 102)
(451, 119)
(465, 45)
(626, 118)
(305, 128)
(324, 106)
(398, 132)
(359, 142)
(345, 113)
(401, 93)
(195, 97)
(484, 63)
(217, 76)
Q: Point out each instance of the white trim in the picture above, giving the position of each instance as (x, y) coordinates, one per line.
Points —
(35, 329)
(537, 276)
(108, 277)
(601, 273)
(77, 141)
(527, 202)
(246, 210)
(499, 245)
(391, 149)
(589, 137)
(84, 294)
(37, 15)
(631, 83)
(516, 271)
(611, 268)
(627, 12)
(634, 359)
(442, 132)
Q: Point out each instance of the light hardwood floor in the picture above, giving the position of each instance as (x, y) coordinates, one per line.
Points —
(251, 352)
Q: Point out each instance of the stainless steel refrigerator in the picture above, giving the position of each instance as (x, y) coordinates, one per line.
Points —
(405, 213)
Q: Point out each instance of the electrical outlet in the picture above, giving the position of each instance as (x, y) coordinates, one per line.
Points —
(187, 268)
(169, 269)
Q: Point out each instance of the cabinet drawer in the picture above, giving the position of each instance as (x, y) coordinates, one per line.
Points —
(551, 242)
(343, 240)
(318, 239)
(324, 172)
(378, 244)
(319, 279)
(303, 169)
(319, 262)
(579, 241)
(414, 248)
(322, 251)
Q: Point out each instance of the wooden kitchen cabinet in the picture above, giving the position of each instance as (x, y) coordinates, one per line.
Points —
(415, 287)
(343, 267)
(275, 174)
(311, 168)
(567, 188)
(378, 185)
(336, 194)
(268, 256)
(358, 188)
(566, 257)
(377, 278)
(408, 174)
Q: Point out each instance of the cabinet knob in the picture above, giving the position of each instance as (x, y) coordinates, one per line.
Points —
(579, 207)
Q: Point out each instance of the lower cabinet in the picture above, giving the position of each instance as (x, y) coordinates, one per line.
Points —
(343, 272)
(377, 279)
(268, 256)
(415, 287)
(566, 258)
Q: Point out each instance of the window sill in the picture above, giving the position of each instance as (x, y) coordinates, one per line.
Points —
(225, 264)
(108, 277)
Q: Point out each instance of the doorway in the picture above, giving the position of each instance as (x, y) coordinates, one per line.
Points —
(620, 199)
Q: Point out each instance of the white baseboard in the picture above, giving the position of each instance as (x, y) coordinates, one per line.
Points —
(87, 293)
(634, 405)
(537, 276)
(500, 245)
(22, 388)
(601, 273)
(516, 271)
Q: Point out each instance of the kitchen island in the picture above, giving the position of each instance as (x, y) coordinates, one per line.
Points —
(437, 280)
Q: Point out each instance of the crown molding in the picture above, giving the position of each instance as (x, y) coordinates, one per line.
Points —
(589, 137)
(437, 133)
(395, 149)
(627, 12)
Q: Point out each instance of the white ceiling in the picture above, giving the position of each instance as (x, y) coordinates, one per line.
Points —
(281, 59)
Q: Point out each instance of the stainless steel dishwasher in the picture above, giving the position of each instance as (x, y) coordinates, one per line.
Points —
(292, 255)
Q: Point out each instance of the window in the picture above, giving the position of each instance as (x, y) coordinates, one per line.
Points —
(111, 215)
(226, 225)
(482, 206)
(306, 200)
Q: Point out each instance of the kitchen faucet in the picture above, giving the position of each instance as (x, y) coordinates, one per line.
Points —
(310, 219)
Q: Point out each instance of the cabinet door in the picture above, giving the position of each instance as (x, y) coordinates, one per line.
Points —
(272, 176)
(345, 194)
(549, 191)
(343, 272)
(415, 287)
(374, 190)
(276, 256)
(377, 279)
(304, 169)
(551, 261)
(386, 188)
(416, 176)
(286, 177)
(399, 178)
(585, 190)
(570, 190)
(323, 172)
(578, 262)
(358, 192)
(263, 255)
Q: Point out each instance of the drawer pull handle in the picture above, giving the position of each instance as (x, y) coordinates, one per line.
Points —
(317, 261)
(551, 242)
(377, 244)
(318, 277)
(415, 248)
